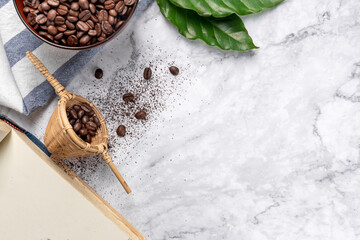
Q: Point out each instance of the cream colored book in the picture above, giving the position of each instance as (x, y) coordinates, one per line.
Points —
(40, 198)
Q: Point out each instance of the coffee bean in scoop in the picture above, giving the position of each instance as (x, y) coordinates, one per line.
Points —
(84, 121)
(99, 73)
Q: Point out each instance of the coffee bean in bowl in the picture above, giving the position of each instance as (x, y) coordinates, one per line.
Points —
(75, 24)
(83, 120)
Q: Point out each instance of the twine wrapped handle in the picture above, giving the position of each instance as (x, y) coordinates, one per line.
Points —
(59, 89)
(109, 162)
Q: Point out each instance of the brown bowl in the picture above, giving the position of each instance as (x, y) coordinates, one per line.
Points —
(19, 9)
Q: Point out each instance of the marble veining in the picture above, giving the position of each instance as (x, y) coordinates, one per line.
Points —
(256, 145)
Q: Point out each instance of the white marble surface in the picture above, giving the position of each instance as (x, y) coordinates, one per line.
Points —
(257, 145)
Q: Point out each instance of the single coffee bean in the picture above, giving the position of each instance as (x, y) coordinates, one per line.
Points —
(99, 6)
(129, 11)
(75, 6)
(92, 133)
(109, 4)
(26, 10)
(52, 30)
(69, 25)
(86, 107)
(85, 15)
(97, 121)
(43, 27)
(84, 4)
(92, 8)
(147, 73)
(94, 19)
(82, 26)
(174, 70)
(49, 37)
(90, 23)
(53, 3)
(72, 41)
(129, 2)
(42, 33)
(61, 28)
(83, 132)
(51, 15)
(119, 24)
(85, 39)
(59, 20)
(124, 11)
(31, 18)
(111, 20)
(128, 97)
(59, 36)
(91, 124)
(88, 138)
(72, 122)
(92, 33)
(140, 115)
(103, 15)
(77, 126)
(69, 32)
(90, 114)
(80, 113)
(113, 12)
(74, 13)
(85, 119)
(62, 10)
(45, 6)
(99, 73)
(73, 114)
(98, 29)
(77, 107)
(79, 34)
(71, 19)
(121, 130)
(41, 19)
(106, 28)
(119, 7)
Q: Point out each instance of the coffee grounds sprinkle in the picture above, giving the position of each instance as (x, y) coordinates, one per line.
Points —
(153, 96)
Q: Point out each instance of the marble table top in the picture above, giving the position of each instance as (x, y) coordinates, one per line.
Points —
(256, 145)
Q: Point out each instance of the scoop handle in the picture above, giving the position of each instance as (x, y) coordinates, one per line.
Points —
(109, 162)
(59, 89)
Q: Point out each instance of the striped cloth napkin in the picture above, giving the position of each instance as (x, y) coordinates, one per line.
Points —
(22, 87)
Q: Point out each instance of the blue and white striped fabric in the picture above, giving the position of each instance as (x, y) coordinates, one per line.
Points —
(22, 87)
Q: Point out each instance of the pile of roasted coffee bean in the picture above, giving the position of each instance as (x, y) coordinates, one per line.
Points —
(83, 120)
(77, 22)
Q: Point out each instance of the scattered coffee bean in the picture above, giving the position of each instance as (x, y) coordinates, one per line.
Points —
(121, 131)
(128, 97)
(81, 22)
(174, 70)
(140, 115)
(98, 73)
(83, 120)
(147, 73)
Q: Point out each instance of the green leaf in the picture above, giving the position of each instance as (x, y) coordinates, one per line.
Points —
(223, 8)
(227, 33)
